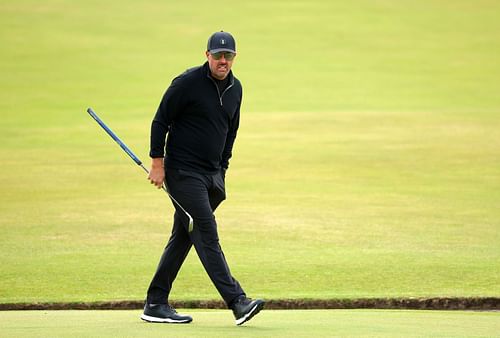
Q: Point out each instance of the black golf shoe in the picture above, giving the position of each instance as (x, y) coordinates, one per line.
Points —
(163, 313)
(245, 308)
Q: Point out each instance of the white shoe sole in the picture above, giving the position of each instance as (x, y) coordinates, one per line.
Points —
(162, 320)
(250, 313)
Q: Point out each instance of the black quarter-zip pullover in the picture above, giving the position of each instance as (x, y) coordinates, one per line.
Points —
(201, 122)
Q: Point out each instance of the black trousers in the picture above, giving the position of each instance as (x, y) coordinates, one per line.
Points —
(199, 195)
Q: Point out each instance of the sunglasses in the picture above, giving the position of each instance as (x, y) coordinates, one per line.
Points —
(229, 56)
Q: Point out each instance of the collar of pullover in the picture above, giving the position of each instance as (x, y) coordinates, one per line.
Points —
(229, 77)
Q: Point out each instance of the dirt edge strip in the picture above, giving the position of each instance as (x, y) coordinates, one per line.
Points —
(460, 303)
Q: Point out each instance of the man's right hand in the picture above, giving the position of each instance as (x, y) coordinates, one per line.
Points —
(157, 173)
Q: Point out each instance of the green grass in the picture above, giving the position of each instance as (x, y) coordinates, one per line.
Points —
(309, 323)
(367, 163)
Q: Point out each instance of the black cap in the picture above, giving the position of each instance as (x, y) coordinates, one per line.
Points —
(221, 42)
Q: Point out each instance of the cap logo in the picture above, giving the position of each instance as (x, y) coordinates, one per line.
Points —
(223, 42)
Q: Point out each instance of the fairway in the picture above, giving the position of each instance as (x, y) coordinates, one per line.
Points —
(367, 163)
(215, 323)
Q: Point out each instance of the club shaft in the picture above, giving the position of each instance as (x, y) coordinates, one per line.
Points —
(173, 199)
(136, 160)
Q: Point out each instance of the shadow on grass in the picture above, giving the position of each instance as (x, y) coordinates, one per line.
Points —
(458, 303)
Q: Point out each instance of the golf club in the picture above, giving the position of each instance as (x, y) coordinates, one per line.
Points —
(136, 160)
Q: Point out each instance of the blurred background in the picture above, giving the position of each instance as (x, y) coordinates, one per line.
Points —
(366, 165)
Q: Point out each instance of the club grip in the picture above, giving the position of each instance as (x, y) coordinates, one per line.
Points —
(114, 137)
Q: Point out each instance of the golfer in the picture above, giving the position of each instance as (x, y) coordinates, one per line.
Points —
(198, 116)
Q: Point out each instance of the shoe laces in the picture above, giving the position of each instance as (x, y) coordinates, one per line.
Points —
(171, 308)
(168, 307)
(244, 300)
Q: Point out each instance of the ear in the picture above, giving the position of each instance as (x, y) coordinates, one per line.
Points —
(207, 53)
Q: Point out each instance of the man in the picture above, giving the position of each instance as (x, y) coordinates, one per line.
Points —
(200, 112)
